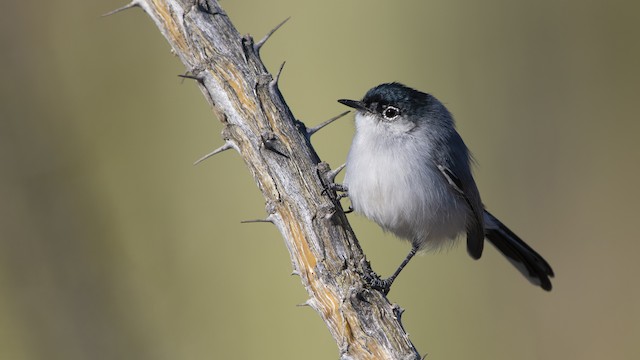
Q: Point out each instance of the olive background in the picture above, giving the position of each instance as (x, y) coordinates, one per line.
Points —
(113, 246)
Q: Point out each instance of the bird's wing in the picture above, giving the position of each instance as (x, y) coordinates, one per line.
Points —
(469, 192)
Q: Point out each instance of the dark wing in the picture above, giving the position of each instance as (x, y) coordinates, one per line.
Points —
(465, 187)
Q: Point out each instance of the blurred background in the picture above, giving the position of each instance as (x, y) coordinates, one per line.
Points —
(113, 246)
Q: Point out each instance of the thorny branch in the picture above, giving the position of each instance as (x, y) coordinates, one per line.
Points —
(276, 148)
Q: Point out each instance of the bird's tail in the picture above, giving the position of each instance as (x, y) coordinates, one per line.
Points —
(523, 257)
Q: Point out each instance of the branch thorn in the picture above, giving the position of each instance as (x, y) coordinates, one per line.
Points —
(130, 5)
(315, 129)
(306, 303)
(259, 44)
(274, 82)
(222, 148)
(266, 220)
(205, 8)
(331, 175)
(272, 143)
(192, 77)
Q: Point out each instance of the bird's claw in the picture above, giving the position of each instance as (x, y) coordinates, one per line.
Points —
(376, 282)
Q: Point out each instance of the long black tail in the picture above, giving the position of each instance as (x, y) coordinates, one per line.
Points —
(523, 257)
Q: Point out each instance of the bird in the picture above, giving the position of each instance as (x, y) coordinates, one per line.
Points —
(409, 171)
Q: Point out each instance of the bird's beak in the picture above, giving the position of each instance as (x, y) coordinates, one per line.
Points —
(358, 105)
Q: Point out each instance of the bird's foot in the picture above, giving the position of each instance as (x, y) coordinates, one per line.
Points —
(376, 282)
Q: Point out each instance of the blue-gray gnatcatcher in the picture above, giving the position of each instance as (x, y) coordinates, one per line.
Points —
(409, 171)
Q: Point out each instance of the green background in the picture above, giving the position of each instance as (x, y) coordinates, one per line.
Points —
(113, 246)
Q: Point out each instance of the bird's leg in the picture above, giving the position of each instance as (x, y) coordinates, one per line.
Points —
(384, 285)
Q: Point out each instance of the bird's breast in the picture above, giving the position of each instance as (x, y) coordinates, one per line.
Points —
(402, 192)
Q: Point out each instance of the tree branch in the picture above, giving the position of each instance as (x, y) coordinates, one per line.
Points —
(277, 150)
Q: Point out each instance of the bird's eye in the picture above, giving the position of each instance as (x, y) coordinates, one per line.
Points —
(390, 112)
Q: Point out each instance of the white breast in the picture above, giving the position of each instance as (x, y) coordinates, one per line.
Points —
(405, 195)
